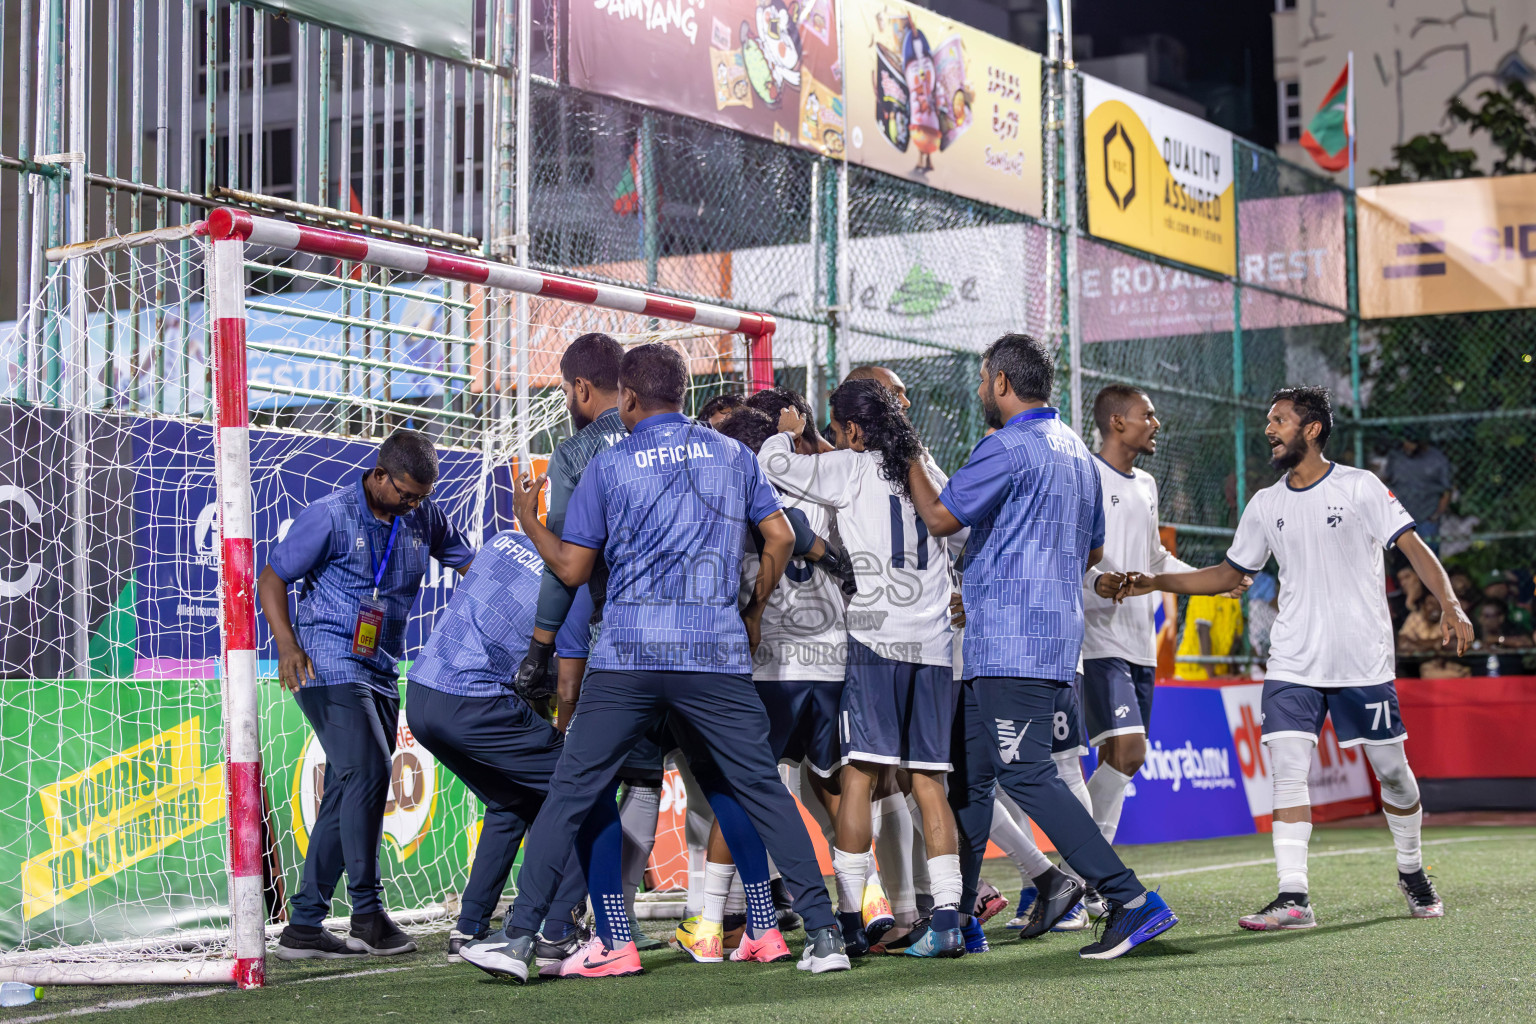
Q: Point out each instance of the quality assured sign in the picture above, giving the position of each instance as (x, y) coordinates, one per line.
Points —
(1158, 179)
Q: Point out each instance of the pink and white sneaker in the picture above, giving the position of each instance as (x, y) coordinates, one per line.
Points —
(594, 960)
(767, 948)
(1281, 915)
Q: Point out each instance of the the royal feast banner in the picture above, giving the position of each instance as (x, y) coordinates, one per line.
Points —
(944, 104)
(765, 67)
(1447, 246)
(1158, 179)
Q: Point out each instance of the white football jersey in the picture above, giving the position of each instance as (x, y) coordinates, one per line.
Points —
(901, 611)
(1333, 628)
(1131, 544)
(805, 635)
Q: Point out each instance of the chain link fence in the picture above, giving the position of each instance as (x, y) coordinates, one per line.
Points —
(191, 105)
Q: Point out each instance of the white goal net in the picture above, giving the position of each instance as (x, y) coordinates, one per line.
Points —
(120, 756)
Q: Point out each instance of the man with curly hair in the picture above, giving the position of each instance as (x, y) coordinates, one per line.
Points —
(899, 693)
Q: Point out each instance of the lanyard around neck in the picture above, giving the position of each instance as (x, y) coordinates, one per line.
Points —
(378, 566)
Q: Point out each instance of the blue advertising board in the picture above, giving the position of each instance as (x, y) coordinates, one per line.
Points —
(175, 529)
(1191, 784)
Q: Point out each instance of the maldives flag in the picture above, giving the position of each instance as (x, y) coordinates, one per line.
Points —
(1327, 135)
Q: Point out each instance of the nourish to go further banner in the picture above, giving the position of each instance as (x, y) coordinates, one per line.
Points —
(1158, 179)
(764, 67)
(938, 102)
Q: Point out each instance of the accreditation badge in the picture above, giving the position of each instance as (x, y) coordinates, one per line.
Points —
(370, 623)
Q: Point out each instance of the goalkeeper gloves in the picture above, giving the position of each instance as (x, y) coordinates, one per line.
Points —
(839, 566)
(536, 678)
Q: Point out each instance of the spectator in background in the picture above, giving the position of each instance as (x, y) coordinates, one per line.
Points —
(1493, 626)
(1413, 587)
(1212, 626)
(1263, 607)
(1500, 586)
(1421, 632)
(1465, 590)
(1420, 476)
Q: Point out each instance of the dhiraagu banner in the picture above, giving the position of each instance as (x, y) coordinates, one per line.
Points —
(1158, 179)
(118, 828)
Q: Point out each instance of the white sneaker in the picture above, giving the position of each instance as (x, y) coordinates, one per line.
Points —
(1420, 893)
(1280, 915)
(1095, 904)
(1075, 921)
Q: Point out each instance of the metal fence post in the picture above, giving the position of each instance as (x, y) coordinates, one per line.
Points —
(1352, 283)
(1239, 427)
(650, 198)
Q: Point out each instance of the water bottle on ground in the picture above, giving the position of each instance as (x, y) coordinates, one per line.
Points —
(17, 993)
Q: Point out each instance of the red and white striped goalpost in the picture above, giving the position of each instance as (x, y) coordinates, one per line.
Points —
(228, 232)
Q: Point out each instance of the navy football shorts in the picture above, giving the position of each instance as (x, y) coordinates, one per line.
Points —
(1117, 698)
(896, 712)
(1361, 714)
(802, 721)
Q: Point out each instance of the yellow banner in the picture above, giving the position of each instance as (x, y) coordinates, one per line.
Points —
(1447, 246)
(1158, 179)
(119, 811)
(935, 101)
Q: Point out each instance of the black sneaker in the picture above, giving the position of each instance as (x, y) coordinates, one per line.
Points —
(299, 942)
(1058, 896)
(457, 939)
(855, 942)
(784, 905)
(376, 934)
(1420, 893)
(551, 955)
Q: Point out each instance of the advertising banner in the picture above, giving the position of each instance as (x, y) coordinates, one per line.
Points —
(1292, 244)
(174, 508)
(119, 829)
(944, 104)
(1188, 787)
(1158, 179)
(1339, 782)
(765, 67)
(1447, 246)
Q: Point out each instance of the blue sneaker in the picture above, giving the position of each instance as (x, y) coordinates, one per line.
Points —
(975, 938)
(947, 944)
(1075, 921)
(1027, 897)
(855, 942)
(1126, 928)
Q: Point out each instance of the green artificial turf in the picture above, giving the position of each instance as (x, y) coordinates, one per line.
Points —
(1367, 961)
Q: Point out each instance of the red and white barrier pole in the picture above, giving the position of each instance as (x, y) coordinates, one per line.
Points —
(225, 274)
(280, 234)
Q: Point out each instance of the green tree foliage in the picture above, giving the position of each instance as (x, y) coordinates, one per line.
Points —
(1507, 115)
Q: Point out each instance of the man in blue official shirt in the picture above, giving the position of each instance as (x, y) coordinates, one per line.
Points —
(669, 507)
(1031, 497)
(589, 377)
(361, 553)
(460, 705)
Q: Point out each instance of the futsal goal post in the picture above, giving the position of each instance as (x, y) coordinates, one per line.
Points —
(170, 401)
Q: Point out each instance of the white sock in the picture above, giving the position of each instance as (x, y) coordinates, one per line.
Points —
(1070, 767)
(1016, 841)
(851, 870)
(736, 900)
(696, 863)
(944, 872)
(1106, 790)
(1407, 830)
(893, 850)
(1291, 839)
(717, 887)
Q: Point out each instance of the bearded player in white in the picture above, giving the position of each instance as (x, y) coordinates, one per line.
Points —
(1332, 645)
